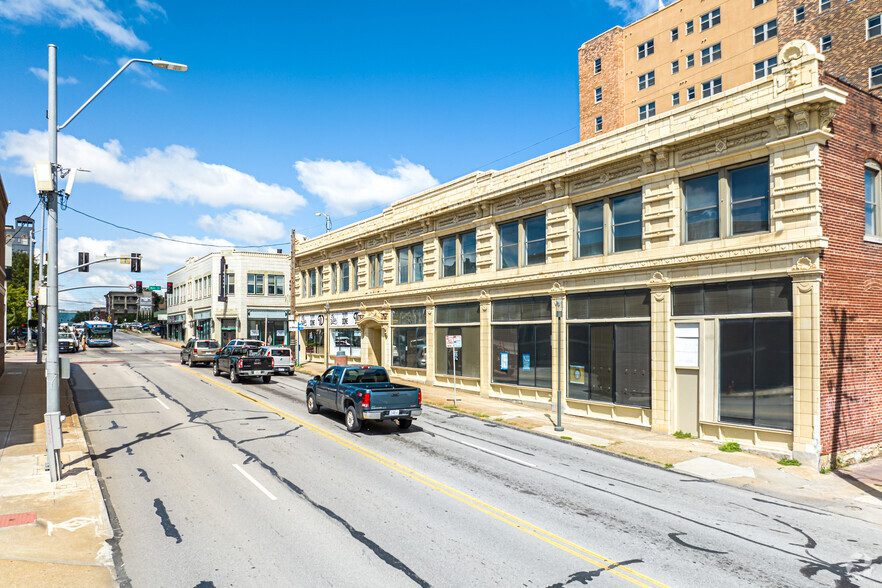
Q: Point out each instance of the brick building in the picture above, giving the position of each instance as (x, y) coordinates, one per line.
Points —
(698, 269)
(690, 50)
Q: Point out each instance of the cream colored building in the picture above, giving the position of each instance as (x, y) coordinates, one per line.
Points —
(664, 256)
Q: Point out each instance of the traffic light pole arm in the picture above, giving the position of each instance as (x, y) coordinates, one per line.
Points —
(84, 287)
(76, 267)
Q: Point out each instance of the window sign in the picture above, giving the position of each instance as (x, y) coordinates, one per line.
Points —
(686, 345)
(280, 333)
(525, 362)
(503, 361)
(577, 374)
(255, 332)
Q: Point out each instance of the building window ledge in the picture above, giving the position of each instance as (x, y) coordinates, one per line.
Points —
(873, 239)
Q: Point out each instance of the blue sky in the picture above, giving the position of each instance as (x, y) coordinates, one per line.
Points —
(288, 109)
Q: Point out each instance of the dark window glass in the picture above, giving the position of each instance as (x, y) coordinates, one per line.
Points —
(409, 347)
(579, 376)
(467, 312)
(619, 304)
(607, 305)
(736, 371)
(627, 223)
(448, 257)
(344, 275)
(534, 233)
(773, 295)
(702, 208)
(632, 373)
(508, 245)
(468, 362)
(403, 265)
(601, 348)
(505, 353)
(688, 300)
(416, 253)
(637, 303)
(750, 199)
(522, 309)
(728, 298)
(468, 244)
(413, 315)
(590, 230)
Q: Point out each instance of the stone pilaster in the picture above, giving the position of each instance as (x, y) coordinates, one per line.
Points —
(430, 339)
(660, 353)
(486, 343)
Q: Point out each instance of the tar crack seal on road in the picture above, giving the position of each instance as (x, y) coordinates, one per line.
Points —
(143, 474)
(167, 525)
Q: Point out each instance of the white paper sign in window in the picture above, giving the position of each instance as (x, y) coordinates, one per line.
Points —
(686, 345)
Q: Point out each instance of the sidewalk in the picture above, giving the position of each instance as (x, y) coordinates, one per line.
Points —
(50, 534)
(855, 491)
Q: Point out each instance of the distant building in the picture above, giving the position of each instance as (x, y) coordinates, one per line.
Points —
(119, 303)
(257, 297)
(97, 313)
(692, 49)
(19, 240)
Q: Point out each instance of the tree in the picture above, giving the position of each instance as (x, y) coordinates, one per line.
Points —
(20, 270)
(81, 316)
(16, 306)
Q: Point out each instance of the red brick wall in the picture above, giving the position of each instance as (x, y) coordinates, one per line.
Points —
(851, 291)
(609, 47)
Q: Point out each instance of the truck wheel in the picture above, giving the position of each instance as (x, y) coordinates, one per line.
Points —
(266, 379)
(234, 376)
(404, 423)
(312, 406)
(215, 371)
(353, 424)
(190, 361)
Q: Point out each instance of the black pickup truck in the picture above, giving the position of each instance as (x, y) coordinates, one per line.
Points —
(363, 393)
(243, 361)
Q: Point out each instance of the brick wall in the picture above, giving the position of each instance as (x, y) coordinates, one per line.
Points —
(852, 54)
(851, 291)
(608, 47)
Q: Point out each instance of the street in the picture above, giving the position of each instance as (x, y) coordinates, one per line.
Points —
(214, 483)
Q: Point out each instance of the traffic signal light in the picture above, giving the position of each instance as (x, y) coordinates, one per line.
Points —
(168, 287)
(139, 287)
(136, 263)
(83, 261)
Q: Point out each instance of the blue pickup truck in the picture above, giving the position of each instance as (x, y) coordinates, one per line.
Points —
(363, 393)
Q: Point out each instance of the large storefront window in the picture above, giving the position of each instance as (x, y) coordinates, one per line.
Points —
(463, 320)
(755, 360)
(409, 342)
(314, 340)
(522, 351)
(609, 346)
(202, 322)
(270, 326)
(345, 337)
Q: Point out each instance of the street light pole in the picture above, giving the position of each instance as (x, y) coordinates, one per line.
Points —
(327, 221)
(559, 425)
(41, 333)
(52, 417)
(30, 344)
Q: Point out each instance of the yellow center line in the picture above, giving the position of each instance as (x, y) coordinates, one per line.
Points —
(563, 544)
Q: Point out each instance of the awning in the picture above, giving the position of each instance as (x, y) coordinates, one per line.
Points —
(176, 318)
(267, 314)
(203, 314)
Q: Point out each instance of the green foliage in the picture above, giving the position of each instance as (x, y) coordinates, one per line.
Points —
(681, 435)
(786, 461)
(825, 470)
(20, 271)
(668, 466)
(16, 306)
(565, 437)
(730, 447)
(81, 316)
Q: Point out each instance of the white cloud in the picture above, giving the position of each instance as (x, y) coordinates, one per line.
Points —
(350, 186)
(158, 258)
(148, 7)
(92, 13)
(173, 173)
(44, 75)
(635, 9)
(243, 226)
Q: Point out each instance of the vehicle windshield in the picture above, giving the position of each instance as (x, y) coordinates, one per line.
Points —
(365, 375)
(280, 352)
(100, 330)
(207, 344)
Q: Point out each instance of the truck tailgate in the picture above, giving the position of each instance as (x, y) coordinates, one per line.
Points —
(386, 396)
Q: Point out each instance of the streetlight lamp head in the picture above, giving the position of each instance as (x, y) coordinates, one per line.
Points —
(318, 214)
(168, 65)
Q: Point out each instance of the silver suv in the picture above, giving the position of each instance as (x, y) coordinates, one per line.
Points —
(199, 351)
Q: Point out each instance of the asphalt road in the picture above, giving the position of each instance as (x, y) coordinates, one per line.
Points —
(213, 483)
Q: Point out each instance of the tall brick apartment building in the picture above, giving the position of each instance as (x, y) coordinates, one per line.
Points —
(694, 49)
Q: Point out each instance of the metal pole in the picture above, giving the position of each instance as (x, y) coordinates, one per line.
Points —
(41, 333)
(454, 376)
(327, 332)
(559, 425)
(292, 316)
(30, 344)
(53, 414)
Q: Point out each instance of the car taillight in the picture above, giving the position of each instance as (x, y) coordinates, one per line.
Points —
(366, 400)
(420, 397)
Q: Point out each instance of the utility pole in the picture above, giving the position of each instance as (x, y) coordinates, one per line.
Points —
(292, 315)
(30, 344)
(40, 332)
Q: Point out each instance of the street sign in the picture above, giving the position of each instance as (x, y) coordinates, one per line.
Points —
(154, 288)
(29, 303)
(131, 286)
(454, 341)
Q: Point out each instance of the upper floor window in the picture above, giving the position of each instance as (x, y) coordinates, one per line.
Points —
(759, 2)
(410, 264)
(710, 19)
(765, 31)
(598, 94)
(711, 87)
(625, 225)
(826, 43)
(354, 274)
(744, 190)
(675, 66)
(675, 34)
(598, 124)
(690, 60)
(690, 93)
(459, 254)
(344, 276)
(597, 66)
(711, 54)
(646, 80)
(522, 242)
(312, 283)
(675, 99)
(876, 76)
(689, 27)
(275, 285)
(333, 278)
(799, 14)
(255, 284)
(871, 199)
(823, 5)
(646, 110)
(763, 68)
(645, 49)
(874, 26)
(375, 265)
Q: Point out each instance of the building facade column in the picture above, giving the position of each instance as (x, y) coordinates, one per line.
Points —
(430, 340)
(486, 343)
(806, 277)
(661, 357)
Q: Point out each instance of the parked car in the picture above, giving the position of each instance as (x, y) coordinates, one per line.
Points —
(199, 351)
(67, 342)
(363, 393)
(283, 362)
(243, 361)
(248, 342)
(156, 330)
